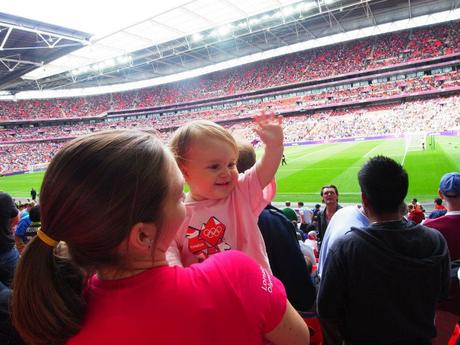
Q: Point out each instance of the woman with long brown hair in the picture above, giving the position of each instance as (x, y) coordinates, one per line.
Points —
(116, 200)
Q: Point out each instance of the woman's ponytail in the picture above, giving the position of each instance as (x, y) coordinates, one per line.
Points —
(48, 306)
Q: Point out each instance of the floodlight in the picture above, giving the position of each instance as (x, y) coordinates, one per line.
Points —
(197, 37)
(224, 30)
(243, 25)
(307, 6)
(108, 63)
(123, 59)
(265, 17)
(254, 21)
(287, 11)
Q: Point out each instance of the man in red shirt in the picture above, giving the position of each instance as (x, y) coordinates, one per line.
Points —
(448, 313)
(438, 204)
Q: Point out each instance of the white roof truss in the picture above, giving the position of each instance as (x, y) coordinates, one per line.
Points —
(188, 18)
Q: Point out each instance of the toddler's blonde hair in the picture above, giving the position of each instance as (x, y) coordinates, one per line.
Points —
(184, 137)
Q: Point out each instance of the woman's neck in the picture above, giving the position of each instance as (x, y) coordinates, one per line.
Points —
(139, 267)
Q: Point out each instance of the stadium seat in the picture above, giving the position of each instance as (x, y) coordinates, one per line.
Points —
(314, 326)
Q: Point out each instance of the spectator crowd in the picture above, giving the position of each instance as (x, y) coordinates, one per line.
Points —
(370, 54)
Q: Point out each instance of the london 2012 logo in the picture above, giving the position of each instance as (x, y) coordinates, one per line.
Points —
(208, 240)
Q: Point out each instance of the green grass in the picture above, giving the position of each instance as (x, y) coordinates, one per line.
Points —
(310, 167)
(19, 186)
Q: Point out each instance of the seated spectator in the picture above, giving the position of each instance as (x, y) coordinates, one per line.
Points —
(438, 204)
(117, 287)
(24, 234)
(417, 206)
(291, 215)
(415, 214)
(8, 334)
(9, 255)
(439, 209)
(306, 217)
(21, 229)
(25, 211)
(448, 312)
(309, 247)
(285, 256)
(316, 211)
(365, 295)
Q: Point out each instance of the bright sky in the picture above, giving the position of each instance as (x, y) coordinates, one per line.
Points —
(97, 17)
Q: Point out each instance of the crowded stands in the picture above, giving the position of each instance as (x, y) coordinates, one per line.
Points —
(368, 54)
(432, 115)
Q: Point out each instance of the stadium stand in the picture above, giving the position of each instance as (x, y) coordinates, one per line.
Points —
(322, 109)
(371, 54)
(432, 115)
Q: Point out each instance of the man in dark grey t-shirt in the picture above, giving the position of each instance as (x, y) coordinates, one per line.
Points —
(381, 283)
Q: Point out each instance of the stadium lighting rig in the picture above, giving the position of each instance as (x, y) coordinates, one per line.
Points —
(243, 27)
(279, 16)
(102, 66)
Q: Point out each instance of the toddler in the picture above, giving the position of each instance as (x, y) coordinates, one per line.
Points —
(222, 206)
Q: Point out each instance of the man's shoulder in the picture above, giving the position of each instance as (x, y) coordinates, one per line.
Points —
(272, 211)
(439, 226)
(274, 216)
(443, 223)
(447, 218)
(424, 228)
(349, 216)
(347, 240)
(346, 210)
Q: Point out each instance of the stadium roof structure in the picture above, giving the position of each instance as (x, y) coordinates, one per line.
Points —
(26, 45)
(194, 37)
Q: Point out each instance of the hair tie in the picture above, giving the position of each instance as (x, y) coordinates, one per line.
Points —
(46, 239)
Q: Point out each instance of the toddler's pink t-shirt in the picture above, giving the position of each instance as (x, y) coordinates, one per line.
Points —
(228, 299)
(213, 226)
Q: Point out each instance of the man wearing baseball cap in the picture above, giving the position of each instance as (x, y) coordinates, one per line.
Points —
(449, 224)
(8, 252)
(448, 313)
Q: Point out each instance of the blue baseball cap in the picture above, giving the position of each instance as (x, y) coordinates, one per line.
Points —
(450, 184)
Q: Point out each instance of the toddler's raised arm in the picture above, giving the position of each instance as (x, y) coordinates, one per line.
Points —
(270, 130)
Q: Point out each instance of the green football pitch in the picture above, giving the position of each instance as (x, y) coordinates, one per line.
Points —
(312, 166)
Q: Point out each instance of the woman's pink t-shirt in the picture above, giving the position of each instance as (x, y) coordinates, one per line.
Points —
(228, 299)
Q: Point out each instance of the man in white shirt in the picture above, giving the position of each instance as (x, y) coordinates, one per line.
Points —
(306, 216)
(341, 222)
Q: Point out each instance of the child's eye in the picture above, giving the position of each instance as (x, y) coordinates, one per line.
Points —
(232, 165)
(214, 167)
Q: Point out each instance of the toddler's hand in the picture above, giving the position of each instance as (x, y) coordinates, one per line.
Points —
(269, 128)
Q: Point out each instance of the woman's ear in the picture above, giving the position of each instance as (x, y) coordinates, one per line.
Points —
(141, 236)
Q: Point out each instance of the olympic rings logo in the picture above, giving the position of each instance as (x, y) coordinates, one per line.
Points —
(213, 232)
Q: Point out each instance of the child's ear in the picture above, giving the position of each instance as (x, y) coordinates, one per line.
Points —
(183, 169)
